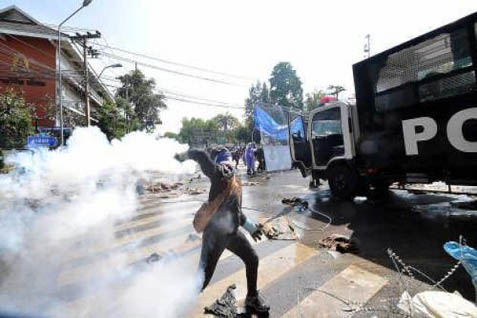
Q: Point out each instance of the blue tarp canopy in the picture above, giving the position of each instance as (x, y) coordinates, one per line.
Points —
(266, 124)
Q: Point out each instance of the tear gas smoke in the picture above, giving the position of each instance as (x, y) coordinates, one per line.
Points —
(58, 203)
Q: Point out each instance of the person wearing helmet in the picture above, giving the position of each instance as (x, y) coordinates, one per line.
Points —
(220, 218)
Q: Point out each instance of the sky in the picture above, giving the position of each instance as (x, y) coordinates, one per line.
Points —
(246, 38)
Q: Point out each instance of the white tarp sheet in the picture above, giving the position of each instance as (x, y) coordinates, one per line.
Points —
(277, 157)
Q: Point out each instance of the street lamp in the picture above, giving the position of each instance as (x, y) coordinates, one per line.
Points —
(113, 65)
(85, 4)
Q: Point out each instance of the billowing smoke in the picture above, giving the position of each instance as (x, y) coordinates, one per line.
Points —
(56, 204)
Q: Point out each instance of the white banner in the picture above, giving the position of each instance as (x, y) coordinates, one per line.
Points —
(277, 158)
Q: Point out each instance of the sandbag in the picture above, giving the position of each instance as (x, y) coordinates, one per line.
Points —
(437, 304)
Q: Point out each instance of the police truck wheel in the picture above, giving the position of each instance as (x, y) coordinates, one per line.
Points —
(343, 181)
(379, 191)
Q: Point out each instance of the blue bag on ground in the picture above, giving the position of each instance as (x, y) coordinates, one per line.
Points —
(467, 255)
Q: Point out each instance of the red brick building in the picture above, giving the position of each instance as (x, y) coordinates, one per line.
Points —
(28, 62)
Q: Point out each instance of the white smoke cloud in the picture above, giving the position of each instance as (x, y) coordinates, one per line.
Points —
(57, 203)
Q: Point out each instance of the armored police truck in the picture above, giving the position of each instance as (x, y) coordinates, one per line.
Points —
(414, 120)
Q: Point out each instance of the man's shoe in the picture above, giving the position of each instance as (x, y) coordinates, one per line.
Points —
(257, 304)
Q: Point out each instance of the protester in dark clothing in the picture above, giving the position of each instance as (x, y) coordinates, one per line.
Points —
(260, 155)
(221, 231)
(236, 156)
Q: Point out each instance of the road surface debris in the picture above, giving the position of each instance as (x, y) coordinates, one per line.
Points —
(339, 243)
(225, 306)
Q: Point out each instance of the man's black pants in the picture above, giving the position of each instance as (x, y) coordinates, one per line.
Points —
(214, 241)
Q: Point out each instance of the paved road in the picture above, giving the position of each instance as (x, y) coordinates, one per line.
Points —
(296, 277)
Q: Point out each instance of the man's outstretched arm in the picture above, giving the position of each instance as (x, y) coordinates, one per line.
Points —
(207, 166)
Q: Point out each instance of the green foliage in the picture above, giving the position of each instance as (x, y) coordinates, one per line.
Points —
(312, 99)
(335, 90)
(223, 128)
(226, 121)
(257, 93)
(243, 134)
(285, 86)
(45, 109)
(171, 135)
(145, 103)
(198, 131)
(111, 122)
(127, 109)
(15, 120)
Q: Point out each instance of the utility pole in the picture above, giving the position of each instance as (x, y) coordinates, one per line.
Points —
(83, 38)
(127, 101)
(367, 46)
(86, 84)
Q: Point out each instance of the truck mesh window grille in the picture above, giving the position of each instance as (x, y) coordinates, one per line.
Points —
(439, 55)
(447, 87)
(395, 99)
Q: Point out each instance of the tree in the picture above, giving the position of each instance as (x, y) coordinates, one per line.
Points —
(313, 99)
(15, 119)
(242, 134)
(336, 89)
(258, 93)
(172, 135)
(127, 109)
(111, 122)
(285, 86)
(44, 110)
(226, 121)
(198, 131)
(146, 104)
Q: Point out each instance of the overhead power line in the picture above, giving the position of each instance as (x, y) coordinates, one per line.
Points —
(132, 61)
(202, 103)
(176, 63)
(180, 94)
(191, 100)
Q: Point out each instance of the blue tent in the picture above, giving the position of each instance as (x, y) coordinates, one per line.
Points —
(266, 124)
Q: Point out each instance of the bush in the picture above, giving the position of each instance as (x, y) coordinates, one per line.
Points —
(15, 120)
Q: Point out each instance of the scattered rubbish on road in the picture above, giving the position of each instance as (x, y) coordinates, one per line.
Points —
(154, 257)
(163, 187)
(279, 229)
(194, 191)
(192, 237)
(249, 183)
(339, 243)
(195, 178)
(437, 304)
(465, 205)
(225, 306)
(295, 202)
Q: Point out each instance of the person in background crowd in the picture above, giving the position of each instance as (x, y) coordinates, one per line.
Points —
(236, 154)
(261, 159)
(249, 159)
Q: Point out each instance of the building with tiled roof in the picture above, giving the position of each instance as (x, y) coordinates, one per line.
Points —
(28, 62)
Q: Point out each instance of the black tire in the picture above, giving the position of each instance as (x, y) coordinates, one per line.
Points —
(379, 191)
(343, 181)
